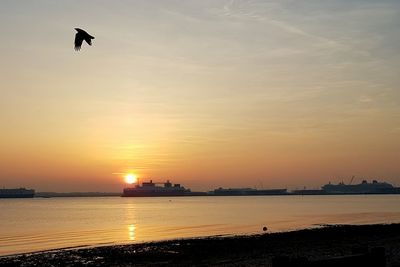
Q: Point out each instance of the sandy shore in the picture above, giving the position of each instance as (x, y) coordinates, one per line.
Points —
(256, 250)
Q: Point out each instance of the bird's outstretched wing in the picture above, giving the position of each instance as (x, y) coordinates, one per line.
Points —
(88, 39)
(78, 41)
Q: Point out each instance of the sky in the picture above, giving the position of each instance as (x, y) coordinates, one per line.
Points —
(230, 93)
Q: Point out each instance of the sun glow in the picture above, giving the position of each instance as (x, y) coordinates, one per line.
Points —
(130, 178)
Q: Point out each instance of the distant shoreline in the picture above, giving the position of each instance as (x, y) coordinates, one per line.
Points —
(113, 194)
(76, 194)
(254, 250)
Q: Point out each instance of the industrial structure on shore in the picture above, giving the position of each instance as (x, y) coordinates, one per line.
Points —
(150, 189)
(161, 189)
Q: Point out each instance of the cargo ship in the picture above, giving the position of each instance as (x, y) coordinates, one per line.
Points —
(247, 192)
(17, 193)
(153, 189)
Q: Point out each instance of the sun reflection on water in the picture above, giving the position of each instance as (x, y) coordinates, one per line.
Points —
(132, 231)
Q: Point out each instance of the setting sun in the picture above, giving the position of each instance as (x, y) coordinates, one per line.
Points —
(130, 178)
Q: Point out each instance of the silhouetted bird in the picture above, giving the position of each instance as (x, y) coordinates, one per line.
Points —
(80, 36)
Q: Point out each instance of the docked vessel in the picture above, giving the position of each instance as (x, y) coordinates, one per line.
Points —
(247, 192)
(17, 193)
(363, 188)
(152, 189)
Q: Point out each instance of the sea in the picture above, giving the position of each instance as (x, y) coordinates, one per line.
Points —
(38, 224)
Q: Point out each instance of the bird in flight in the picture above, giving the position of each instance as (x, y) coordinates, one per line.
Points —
(80, 36)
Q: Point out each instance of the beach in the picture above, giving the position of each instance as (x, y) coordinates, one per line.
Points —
(253, 250)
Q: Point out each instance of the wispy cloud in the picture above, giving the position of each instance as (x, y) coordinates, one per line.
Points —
(276, 14)
(365, 99)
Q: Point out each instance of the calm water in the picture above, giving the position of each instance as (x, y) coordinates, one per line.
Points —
(38, 224)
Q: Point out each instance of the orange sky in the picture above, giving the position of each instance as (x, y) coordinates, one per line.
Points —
(207, 94)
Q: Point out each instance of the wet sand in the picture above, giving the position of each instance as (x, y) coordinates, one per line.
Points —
(255, 250)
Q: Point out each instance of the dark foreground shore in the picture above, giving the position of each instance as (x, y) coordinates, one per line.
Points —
(256, 250)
